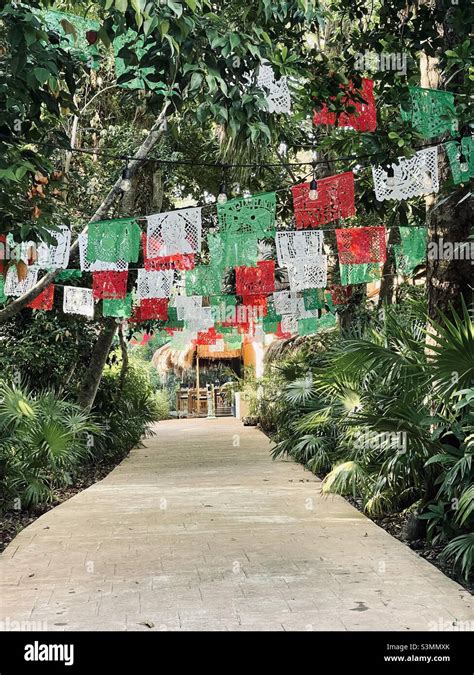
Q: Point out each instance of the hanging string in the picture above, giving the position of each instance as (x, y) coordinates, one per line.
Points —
(188, 162)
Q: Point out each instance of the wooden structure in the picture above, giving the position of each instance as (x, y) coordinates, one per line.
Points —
(190, 404)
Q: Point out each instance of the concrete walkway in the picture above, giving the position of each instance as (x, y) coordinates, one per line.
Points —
(201, 530)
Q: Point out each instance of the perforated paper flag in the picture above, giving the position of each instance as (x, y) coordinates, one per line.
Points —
(203, 280)
(121, 308)
(255, 280)
(99, 265)
(289, 324)
(411, 251)
(78, 301)
(365, 116)
(44, 300)
(208, 337)
(340, 294)
(314, 298)
(108, 285)
(55, 255)
(187, 306)
(202, 320)
(232, 249)
(277, 91)
(431, 112)
(453, 151)
(413, 177)
(285, 302)
(150, 309)
(185, 261)
(253, 215)
(223, 307)
(308, 326)
(113, 240)
(154, 284)
(359, 274)
(357, 245)
(335, 200)
(292, 245)
(308, 273)
(174, 232)
(15, 287)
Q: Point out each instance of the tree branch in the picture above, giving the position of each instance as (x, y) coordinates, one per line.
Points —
(101, 213)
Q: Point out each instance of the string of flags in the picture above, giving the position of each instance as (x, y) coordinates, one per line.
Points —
(190, 297)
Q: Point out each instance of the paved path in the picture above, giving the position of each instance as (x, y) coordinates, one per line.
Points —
(201, 530)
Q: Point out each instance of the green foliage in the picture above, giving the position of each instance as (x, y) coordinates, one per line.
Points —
(42, 441)
(39, 80)
(127, 408)
(46, 349)
(387, 420)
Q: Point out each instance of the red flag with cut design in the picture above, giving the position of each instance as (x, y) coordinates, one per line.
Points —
(335, 200)
(255, 280)
(363, 119)
(150, 308)
(109, 285)
(44, 300)
(357, 245)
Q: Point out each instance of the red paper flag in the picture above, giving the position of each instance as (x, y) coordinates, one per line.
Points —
(335, 200)
(363, 119)
(259, 301)
(208, 337)
(255, 280)
(109, 285)
(44, 300)
(361, 245)
(149, 309)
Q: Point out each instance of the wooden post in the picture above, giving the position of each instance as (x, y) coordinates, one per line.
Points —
(197, 383)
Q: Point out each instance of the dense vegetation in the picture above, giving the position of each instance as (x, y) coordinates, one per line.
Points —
(384, 418)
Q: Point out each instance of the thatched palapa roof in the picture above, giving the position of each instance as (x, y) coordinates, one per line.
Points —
(179, 361)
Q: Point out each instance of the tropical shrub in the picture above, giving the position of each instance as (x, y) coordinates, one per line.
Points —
(386, 416)
(127, 405)
(43, 439)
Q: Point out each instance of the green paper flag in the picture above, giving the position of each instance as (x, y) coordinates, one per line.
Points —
(223, 307)
(308, 326)
(253, 215)
(203, 280)
(68, 275)
(361, 273)
(121, 308)
(431, 112)
(453, 150)
(327, 321)
(411, 251)
(313, 298)
(113, 240)
(232, 250)
(3, 297)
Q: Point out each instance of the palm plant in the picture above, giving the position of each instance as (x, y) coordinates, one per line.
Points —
(42, 441)
(386, 416)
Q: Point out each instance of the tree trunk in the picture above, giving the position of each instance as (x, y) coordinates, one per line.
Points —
(96, 365)
(124, 350)
(157, 201)
(448, 281)
(387, 283)
(150, 141)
